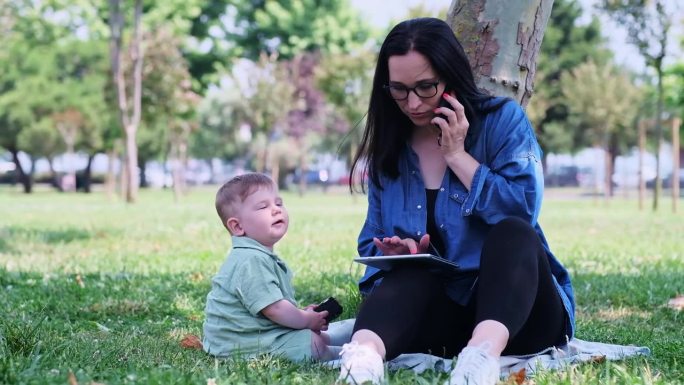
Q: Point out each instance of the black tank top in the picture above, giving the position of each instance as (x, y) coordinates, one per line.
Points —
(432, 229)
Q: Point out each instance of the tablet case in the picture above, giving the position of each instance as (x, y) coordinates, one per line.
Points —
(387, 262)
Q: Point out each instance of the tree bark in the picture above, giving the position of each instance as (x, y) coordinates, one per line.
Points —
(502, 40)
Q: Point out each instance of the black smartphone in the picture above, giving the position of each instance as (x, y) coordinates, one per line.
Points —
(332, 306)
(444, 103)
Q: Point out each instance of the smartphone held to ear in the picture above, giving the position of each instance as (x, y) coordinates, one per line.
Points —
(444, 103)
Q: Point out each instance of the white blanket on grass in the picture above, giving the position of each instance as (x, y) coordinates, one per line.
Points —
(574, 352)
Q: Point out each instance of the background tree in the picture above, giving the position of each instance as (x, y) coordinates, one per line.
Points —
(291, 27)
(26, 76)
(128, 93)
(346, 81)
(602, 102)
(648, 26)
(567, 44)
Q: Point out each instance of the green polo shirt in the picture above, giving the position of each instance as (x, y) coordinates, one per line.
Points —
(251, 278)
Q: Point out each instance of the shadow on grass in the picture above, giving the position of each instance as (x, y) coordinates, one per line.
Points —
(12, 237)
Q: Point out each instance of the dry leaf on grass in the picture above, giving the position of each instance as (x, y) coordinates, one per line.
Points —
(211, 381)
(196, 277)
(676, 303)
(191, 341)
(79, 281)
(72, 378)
(598, 359)
(517, 377)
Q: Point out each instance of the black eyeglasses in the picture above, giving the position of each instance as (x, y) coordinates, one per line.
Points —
(422, 90)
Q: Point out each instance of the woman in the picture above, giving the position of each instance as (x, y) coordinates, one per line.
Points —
(463, 182)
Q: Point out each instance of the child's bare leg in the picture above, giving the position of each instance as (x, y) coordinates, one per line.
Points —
(320, 350)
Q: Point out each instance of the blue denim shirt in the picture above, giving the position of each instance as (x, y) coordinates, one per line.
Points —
(508, 182)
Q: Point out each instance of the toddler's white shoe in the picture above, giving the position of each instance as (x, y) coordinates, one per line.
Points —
(360, 364)
(474, 366)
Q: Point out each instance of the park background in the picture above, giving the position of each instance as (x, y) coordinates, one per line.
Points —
(100, 281)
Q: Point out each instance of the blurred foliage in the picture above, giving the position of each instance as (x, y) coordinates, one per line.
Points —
(567, 44)
(266, 82)
(601, 98)
(290, 27)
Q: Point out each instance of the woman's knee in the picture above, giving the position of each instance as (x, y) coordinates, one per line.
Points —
(513, 228)
(512, 241)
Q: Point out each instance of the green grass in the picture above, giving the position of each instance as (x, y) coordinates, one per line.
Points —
(106, 290)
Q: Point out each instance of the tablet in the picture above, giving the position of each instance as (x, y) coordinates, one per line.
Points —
(386, 262)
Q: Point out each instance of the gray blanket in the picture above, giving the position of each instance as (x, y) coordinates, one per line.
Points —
(574, 352)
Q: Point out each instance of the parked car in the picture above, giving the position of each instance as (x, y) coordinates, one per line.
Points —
(313, 177)
(563, 176)
(667, 181)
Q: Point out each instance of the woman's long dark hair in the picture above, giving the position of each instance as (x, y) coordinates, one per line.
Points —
(387, 127)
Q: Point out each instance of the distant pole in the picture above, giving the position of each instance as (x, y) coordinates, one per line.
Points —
(675, 163)
(642, 146)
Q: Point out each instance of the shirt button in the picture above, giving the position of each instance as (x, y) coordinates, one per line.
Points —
(418, 232)
(419, 207)
(441, 226)
(413, 172)
(467, 210)
(442, 189)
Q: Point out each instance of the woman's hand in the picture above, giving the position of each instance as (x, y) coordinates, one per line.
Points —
(455, 129)
(397, 246)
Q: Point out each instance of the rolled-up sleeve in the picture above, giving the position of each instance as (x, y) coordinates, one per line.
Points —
(510, 182)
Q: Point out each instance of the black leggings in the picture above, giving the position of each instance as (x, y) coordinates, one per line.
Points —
(412, 313)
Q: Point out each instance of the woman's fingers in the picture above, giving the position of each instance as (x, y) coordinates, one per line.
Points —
(424, 243)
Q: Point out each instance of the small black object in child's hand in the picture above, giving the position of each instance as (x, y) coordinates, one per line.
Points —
(332, 306)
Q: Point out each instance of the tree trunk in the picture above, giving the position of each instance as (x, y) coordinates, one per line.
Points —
(53, 174)
(26, 180)
(110, 181)
(88, 175)
(675, 163)
(142, 165)
(642, 150)
(659, 136)
(129, 117)
(502, 40)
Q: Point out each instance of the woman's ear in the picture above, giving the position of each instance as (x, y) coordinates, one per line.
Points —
(234, 226)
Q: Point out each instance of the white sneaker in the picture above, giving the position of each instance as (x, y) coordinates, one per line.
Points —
(360, 364)
(474, 366)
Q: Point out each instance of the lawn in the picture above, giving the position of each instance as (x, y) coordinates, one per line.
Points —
(106, 290)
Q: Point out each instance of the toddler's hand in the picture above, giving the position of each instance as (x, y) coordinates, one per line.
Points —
(317, 322)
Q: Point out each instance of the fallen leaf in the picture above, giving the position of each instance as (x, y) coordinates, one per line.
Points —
(517, 377)
(191, 341)
(72, 378)
(598, 359)
(96, 383)
(80, 282)
(102, 328)
(196, 277)
(211, 381)
(676, 303)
